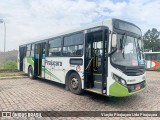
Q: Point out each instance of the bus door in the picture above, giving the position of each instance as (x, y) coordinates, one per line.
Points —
(22, 54)
(96, 62)
(39, 64)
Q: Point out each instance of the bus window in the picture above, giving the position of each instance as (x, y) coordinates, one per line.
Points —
(32, 50)
(158, 56)
(154, 57)
(73, 45)
(55, 47)
(28, 52)
(147, 57)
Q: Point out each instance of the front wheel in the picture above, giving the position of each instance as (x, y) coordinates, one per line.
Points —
(75, 84)
(30, 73)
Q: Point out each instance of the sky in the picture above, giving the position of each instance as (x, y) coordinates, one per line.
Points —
(28, 20)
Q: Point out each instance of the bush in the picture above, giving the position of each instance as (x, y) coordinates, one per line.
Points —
(158, 61)
(10, 64)
(158, 69)
(1, 66)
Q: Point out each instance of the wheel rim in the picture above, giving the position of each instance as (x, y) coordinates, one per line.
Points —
(30, 73)
(74, 83)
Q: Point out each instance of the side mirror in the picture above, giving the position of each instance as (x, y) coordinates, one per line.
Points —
(114, 40)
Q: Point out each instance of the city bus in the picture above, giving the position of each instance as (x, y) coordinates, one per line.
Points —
(152, 60)
(105, 57)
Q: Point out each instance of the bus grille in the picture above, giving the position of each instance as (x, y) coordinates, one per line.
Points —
(134, 72)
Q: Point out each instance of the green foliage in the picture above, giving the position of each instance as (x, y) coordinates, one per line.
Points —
(158, 69)
(151, 40)
(158, 61)
(10, 64)
(1, 66)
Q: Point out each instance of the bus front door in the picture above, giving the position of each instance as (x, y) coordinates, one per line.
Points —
(96, 64)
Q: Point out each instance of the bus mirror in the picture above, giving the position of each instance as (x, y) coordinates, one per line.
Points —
(114, 40)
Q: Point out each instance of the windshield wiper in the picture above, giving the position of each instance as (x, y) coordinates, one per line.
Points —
(139, 47)
(140, 50)
(122, 43)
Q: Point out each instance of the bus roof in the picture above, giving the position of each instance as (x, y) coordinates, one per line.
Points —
(107, 22)
(101, 23)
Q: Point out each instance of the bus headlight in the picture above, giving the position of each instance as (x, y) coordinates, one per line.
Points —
(119, 79)
(123, 81)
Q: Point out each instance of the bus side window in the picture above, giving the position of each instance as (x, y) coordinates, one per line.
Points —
(32, 50)
(44, 53)
(55, 47)
(73, 45)
(154, 57)
(158, 56)
(28, 52)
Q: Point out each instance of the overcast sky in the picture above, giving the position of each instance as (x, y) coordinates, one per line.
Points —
(30, 19)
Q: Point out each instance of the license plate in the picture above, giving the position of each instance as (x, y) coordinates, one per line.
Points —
(137, 87)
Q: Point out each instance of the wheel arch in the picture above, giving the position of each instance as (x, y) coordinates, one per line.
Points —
(29, 66)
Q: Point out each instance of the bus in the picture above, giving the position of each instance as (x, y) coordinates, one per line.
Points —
(105, 58)
(152, 60)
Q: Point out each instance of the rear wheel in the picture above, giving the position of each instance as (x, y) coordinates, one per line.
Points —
(30, 73)
(75, 84)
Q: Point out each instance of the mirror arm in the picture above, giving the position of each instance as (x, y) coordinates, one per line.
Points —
(113, 51)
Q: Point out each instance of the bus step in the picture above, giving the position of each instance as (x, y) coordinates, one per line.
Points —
(98, 84)
(95, 90)
(97, 74)
(97, 77)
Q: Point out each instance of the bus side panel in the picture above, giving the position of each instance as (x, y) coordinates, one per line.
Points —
(28, 61)
(152, 60)
(56, 69)
(152, 64)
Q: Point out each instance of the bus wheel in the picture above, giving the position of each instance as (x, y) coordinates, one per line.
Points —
(30, 73)
(75, 84)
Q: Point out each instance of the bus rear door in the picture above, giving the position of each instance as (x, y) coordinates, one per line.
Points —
(39, 64)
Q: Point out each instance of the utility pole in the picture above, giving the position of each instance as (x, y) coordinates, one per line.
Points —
(2, 21)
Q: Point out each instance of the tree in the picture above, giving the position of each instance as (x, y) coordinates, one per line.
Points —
(151, 40)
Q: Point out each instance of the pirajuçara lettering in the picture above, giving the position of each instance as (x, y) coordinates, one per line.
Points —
(53, 63)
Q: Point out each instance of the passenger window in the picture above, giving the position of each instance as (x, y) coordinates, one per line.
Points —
(32, 50)
(28, 52)
(55, 47)
(73, 45)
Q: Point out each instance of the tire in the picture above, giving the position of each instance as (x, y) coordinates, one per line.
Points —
(30, 73)
(74, 83)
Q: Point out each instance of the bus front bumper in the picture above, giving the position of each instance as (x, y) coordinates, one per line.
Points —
(118, 90)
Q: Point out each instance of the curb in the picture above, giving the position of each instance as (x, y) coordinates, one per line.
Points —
(13, 77)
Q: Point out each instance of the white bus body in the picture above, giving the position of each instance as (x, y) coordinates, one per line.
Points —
(85, 59)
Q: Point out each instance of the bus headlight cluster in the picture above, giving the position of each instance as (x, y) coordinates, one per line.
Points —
(119, 79)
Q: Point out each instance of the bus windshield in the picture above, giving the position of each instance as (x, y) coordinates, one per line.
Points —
(129, 51)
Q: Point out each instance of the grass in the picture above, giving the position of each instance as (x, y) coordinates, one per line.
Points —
(9, 64)
(10, 74)
(10, 69)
